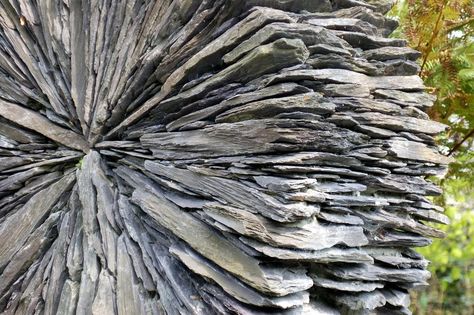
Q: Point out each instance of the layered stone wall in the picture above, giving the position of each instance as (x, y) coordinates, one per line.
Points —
(211, 157)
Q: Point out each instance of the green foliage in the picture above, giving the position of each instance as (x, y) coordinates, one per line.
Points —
(451, 290)
(443, 31)
(79, 164)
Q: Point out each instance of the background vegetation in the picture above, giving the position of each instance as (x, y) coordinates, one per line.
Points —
(443, 30)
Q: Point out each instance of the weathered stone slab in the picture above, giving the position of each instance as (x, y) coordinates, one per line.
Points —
(395, 123)
(17, 227)
(310, 35)
(351, 286)
(352, 90)
(345, 24)
(206, 242)
(307, 103)
(234, 193)
(235, 288)
(388, 53)
(293, 5)
(37, 122)
(368, 272)
(367, 42)
(254, 136)
(238, 100)
(328, 255)
(410, 150)
(310, 235)
(423, 100)
(406, 83)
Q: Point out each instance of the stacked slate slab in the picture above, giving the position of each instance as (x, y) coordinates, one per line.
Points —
(212, 157)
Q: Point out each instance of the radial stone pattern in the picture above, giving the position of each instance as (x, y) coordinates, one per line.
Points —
(211, 157)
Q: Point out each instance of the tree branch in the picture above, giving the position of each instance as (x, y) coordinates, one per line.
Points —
(435, 33)
(459, 144)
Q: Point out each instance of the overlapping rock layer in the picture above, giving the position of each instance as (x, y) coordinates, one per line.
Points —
(211, 157)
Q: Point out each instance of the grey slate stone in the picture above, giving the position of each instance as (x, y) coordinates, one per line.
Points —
(212, 157)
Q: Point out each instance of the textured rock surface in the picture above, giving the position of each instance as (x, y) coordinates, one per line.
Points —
(211, 157)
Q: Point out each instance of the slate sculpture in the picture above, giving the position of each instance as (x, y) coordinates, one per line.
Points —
(211, 157)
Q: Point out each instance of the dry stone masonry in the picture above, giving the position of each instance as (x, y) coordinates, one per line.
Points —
(211, 157)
